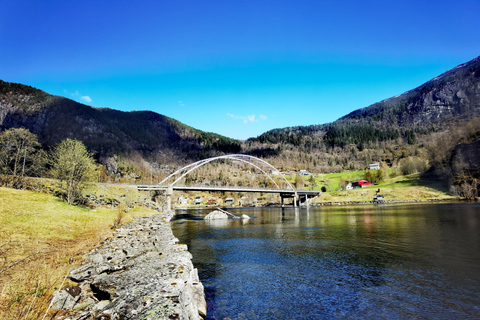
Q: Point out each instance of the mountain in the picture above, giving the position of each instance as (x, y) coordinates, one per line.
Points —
(408, 125)
(451, 97)
(393, 129)
(106, 132)
(454, 94)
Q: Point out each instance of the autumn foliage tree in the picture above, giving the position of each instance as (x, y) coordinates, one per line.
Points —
(74, 167)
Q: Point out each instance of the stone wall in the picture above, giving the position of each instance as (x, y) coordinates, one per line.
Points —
(140, 273)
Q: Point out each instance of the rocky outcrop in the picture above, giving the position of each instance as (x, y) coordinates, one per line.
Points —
(466, 156)
(140, 273)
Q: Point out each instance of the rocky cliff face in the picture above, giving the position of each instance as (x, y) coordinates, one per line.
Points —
(453, 94)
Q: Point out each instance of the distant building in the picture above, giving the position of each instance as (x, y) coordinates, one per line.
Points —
(375, 166)
(361, 183)
(182, 200)
(305, 173)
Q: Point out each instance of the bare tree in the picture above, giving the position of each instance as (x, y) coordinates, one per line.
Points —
(20, 154)
(73, 166)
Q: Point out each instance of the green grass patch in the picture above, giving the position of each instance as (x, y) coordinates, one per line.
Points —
(403, 188)
(41, 238)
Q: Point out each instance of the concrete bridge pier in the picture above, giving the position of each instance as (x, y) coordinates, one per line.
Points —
(164, 196)
(304, 200)
(289, 195)
(168, 198)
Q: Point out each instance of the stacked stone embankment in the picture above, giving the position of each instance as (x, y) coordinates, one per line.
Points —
(140, 273)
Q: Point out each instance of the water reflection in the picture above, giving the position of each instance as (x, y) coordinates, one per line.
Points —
(402, 261)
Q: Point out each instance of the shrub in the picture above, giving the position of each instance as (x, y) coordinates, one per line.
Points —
(412, 165)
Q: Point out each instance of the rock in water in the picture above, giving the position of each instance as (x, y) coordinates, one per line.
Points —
(216, 215)
(244, 216)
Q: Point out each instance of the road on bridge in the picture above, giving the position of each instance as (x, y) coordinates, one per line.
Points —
(303, 195)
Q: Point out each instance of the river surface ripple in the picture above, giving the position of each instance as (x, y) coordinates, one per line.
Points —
(357, 262)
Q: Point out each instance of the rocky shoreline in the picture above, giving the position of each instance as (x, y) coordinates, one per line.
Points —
(346, 203)
(140, 273)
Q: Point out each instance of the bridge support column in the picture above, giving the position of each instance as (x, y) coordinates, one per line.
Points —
(295, 200)
(283, 204)
(168, 198)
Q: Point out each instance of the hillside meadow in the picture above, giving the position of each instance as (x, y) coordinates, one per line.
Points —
(41, 239)
(400, 188)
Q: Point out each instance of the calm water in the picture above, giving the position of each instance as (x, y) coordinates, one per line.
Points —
(363, 262)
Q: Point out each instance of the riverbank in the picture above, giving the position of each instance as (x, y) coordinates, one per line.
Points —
(141, 272)
(391, 194)
(411, 188)
(42, 239)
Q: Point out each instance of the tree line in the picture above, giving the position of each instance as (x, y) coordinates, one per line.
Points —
(21, 155)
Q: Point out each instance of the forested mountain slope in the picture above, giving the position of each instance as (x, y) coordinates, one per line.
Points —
(400, 127)
(106, 132)
(452, 96)
(391, 129)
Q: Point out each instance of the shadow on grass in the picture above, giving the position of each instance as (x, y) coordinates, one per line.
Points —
(419, 181)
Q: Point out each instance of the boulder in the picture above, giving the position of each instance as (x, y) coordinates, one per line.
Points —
(216, 215)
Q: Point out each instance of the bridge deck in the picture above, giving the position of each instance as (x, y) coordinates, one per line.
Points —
(229, 189)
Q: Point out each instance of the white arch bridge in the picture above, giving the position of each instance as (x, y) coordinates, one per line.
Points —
(286, 191)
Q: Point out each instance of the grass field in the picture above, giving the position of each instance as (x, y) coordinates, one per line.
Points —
(405, 188)
(41, 239)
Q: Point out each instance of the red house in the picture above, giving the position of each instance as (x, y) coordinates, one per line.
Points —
(361, 183)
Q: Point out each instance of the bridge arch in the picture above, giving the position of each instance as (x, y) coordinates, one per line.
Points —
(182, 172)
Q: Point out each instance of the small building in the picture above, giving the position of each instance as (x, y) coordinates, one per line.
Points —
(212, 201)
(374, 166)
(305, 173)
(229, 201)
(361, 183)
(182, 200)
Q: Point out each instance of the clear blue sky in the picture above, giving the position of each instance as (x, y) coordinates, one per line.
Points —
(237, 68)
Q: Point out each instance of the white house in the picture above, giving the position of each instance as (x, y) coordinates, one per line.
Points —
(375, 166)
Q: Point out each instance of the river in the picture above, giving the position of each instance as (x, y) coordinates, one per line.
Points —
(403, 261)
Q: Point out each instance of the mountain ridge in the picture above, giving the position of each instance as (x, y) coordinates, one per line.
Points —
(453, 95)
(104, 131)
(382, 131)
(443, 96)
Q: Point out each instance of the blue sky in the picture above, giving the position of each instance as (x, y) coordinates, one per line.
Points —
(237, 68)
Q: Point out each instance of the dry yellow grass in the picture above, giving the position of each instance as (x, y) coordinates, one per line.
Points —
(41, 239)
